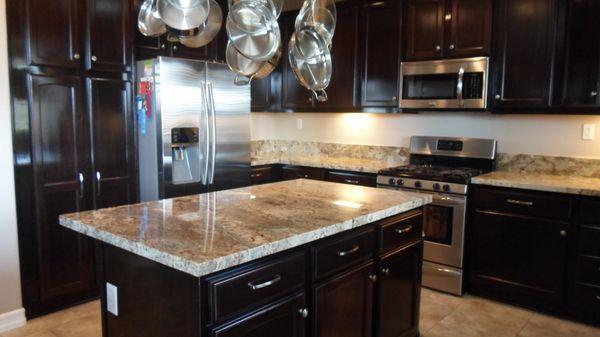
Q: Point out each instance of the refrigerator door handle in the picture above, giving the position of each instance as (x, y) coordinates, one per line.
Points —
(206, 132)
(213, 132)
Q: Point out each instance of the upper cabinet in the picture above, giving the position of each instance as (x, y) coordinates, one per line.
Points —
(447, 28)
(582, 60)
(110, 40)
(524, 53)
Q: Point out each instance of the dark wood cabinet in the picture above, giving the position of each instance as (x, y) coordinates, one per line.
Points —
(109, 47)
(380, 48)
(424, 33)
(344, 296)
(296, 172)
(55, 34)
(581, 85)
(353, 178)
(265, 174)
(111, 132)
(524, 53)
(399, 292)
(261, 94)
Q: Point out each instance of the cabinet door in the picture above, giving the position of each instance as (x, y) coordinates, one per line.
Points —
(293, 95)
(381, 54)
(278, 320)
(111, 126)
(519, 256)
(60, 164)
(344, 304)
(344, 54)
(582, 70)
(53, 29)
(400, 292)
(110, 37)
(261, 94)
(524, 53)
(424, 29)
(470, 28)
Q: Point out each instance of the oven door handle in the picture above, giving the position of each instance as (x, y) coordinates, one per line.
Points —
(441, 270)
(460, 86)
(448, 201)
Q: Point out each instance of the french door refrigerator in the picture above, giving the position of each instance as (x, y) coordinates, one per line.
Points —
(193, 128)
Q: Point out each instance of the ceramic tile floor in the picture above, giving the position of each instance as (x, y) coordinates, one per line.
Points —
(441, 316)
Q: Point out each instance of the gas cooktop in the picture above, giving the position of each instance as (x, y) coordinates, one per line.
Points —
(459, 175)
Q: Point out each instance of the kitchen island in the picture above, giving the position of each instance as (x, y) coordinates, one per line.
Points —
(294, 258)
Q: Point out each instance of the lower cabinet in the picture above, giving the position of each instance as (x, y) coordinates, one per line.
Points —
(296, 172)
(284, 318)
(263, 174)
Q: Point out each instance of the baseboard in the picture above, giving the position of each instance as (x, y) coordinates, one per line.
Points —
(12, 319)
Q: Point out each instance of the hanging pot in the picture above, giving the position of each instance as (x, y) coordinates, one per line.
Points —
(183, 14)
(149, 21)
(176, 35)
(321, 15)
(253, 30)
(208, 30)
(248, 69)
(276, 6)
(310, 59)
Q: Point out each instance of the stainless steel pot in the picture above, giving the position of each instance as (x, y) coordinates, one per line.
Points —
(183, 14)
(320, 15)
(253, 30)
(275, 5)
(310, 60)
(248, 69)
(149, 21)
(208, 30)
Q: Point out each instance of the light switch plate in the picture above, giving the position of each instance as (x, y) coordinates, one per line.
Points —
(112, 299)
(299, 123)
(589, 132)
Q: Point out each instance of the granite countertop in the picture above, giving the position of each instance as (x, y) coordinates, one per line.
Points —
(202, 234)
(335, 163)
(541, 182)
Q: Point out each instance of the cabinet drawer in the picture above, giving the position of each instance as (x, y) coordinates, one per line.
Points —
(352, 178)
(589, 237)
(588, 269)
(590, 212)
(398, 231)
(337, 254)
(529, 204)
(233, 294)
(296, 172)
(261, 175)
(586, 296)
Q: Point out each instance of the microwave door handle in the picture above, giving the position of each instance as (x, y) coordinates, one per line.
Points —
(460, 85)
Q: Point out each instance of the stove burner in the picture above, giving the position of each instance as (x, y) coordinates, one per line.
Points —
(433, 172)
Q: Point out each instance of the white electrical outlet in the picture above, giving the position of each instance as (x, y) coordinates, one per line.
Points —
(112, 299)
(589, 132)
(299, 123)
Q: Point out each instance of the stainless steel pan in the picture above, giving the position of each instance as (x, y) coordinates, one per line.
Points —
(248, 69)
(149, 21)
(253, 30)
(208, 30)
(310, 59)
(320, 15)
(183, 14)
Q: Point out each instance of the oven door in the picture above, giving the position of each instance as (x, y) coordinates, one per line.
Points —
(444, 229)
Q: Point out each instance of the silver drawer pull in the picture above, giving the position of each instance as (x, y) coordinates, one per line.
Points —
(404, 230)
(272, 281)
(303, 312)
(348, 252)
(256, 175)
(350, 181)
(519, 202)
(386, 271)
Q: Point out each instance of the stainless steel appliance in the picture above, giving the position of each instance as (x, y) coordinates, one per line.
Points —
(445, 84)
(442, 167)
(193, 128)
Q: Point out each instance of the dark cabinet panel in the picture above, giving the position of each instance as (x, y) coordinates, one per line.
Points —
(424, 33)
(399, 292)
(353, 178)
(399, 231)
(582, 67)
(111, 128)
(110, 43)
(296, 172)
(280, 319)
(60, 157)
(54, 32)
(524, 53)
(344, 304)
(470, 26)
(207, 52)
(342, 89)
(380, 39)
(261, 93)
(518, 256)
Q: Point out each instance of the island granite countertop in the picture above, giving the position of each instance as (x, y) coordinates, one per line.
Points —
(205, 233)
(541, 182)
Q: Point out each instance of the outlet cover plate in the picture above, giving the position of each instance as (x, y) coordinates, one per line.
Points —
(112, 299)
(589, 132)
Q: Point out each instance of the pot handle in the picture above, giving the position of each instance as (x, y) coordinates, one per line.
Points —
(320, 96)
(242, 80)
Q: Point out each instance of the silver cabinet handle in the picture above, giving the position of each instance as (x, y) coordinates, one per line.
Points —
(163, 46)
(175, 48)
(404, 230)
(519, 202)
(373, 278)
(303, 312)
(451, 47)
(350, 181)
(98, 184)
(459, 86)
(270, 282)
(76, 56)
(598, 298)
(448, 17)
(497, 96)
(594, 93)
(81, 186)
(386, 271)
(94, 58)
(563, 233)
(438, 48)
(394, 98)
(255, 175)
(348, 252)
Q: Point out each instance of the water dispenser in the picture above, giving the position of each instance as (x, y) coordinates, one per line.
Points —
(186, 155)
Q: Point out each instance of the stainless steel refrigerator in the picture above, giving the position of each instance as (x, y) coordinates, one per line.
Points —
(193, 128)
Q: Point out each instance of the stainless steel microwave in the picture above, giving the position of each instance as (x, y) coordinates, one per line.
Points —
(445, 84)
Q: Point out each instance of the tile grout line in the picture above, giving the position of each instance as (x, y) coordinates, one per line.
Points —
(525, 324)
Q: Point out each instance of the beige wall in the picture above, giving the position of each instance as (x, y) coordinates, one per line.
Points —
(10, 287)
(529, 134)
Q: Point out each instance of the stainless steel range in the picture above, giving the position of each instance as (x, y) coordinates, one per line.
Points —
(443, 167)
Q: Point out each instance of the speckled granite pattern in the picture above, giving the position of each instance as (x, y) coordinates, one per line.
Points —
(562, 166)
(205, 233)
(541, 182)
(358, 158)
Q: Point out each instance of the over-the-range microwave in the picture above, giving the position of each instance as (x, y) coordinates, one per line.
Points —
(445, 84)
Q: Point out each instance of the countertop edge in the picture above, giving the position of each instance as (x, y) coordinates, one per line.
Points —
(534, 186)
(329, 166)
(232, 260)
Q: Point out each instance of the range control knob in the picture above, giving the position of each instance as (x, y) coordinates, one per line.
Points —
(446, 188)
(436, 186)
(418, 184)
(391, 181)
(400, 182)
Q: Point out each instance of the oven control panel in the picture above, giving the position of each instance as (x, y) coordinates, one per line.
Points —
(425, 185)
